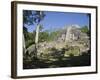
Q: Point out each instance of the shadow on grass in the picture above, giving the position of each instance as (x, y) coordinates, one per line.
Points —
(72, 61)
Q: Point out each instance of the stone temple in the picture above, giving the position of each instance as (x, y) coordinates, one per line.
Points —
(72, 33)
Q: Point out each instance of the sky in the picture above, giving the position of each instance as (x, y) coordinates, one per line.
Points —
(58, 20)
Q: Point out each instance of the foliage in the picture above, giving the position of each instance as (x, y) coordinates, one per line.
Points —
(29, 38)
(43, 36)
(30, 17)
(38, 16)
(25, 33)
(28, 43)
(85, 29)
(41, 27)
(72, 51)
(27, 17)
(54, 35)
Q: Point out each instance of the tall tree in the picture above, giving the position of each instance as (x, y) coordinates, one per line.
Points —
(31, 18)
(25, 34)
(89, 20)
(39, 15)
(27, 20)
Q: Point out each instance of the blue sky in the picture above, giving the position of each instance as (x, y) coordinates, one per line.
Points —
(57, 20)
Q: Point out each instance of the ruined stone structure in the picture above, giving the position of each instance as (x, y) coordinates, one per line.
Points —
(72, 33)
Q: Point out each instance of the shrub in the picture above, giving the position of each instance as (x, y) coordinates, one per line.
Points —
(72, 51)
(28, 43)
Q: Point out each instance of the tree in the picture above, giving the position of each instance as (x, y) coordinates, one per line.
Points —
(31, 18)
(85, 29)
(25, 35)
(25, 32)
(89, 20)
(27, 20)
(41, 27)
(39, 16)
(44, 36)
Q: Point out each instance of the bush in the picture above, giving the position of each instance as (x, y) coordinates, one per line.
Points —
(28, 43)
(85, 30)
(72, 51)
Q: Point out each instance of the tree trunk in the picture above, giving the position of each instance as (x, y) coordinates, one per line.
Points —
(24, 47)
(89, 22)
(36, 39)
(37, 34)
